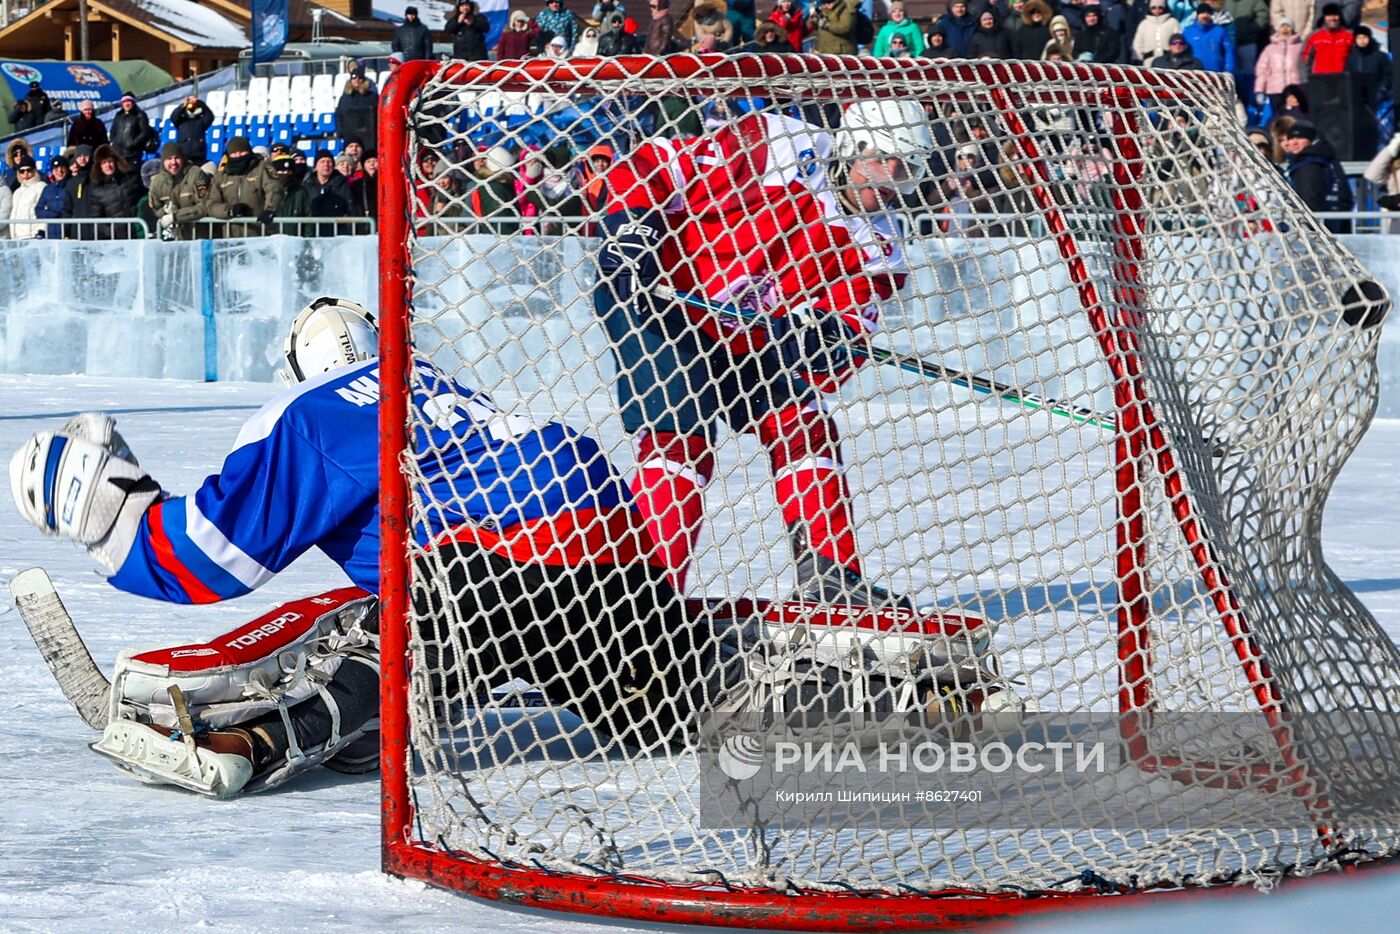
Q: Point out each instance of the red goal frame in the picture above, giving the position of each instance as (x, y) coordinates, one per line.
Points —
(1139, 439)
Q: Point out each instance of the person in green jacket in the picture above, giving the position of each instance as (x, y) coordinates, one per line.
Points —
(899, 25)
(834, 23)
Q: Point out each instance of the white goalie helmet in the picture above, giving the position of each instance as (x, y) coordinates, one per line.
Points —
(888, 128)
(329, 333)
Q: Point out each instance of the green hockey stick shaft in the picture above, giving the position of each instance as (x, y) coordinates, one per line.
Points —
(919, 365)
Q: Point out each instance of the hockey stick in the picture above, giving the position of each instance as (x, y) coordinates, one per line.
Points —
(917, 365)
(61, 646)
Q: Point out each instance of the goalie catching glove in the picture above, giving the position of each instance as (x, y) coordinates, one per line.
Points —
(82, 483)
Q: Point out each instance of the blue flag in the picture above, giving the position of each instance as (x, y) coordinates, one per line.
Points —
(269, 29)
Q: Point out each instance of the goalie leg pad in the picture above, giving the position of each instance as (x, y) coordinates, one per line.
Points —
(301, 682)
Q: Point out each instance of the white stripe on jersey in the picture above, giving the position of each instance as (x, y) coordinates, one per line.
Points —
(260, 425)
(207, 538)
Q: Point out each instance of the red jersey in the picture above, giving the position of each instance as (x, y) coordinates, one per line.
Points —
(753, 221)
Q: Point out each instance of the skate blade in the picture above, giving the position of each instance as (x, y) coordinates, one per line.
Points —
(159, 760)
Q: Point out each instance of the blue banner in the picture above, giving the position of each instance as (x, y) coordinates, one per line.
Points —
(65, 82)
(269, 29)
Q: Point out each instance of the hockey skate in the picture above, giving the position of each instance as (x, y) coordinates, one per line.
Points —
(824, 581)
(217, 765)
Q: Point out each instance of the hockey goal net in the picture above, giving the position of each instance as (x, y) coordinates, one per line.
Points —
(1149, 364)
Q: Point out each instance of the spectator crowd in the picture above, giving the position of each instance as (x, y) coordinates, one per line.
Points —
(118, 169)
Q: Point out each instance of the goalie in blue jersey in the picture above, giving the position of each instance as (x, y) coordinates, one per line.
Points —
(529, 531)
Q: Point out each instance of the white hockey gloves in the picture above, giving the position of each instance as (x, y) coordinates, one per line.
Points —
(83, 484)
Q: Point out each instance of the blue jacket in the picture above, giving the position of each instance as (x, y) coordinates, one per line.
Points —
(54, 202)
(1212, 45)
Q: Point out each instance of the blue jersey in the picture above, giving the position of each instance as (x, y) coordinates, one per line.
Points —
(304, 473)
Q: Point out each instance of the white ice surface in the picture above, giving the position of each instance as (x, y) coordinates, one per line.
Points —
(86, 848)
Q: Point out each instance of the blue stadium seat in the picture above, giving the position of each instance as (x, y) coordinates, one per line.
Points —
(235, 126)
(214, 150)
(303, 124)
(259, 134)
(280, 129)
(325, 124)
(169, 133)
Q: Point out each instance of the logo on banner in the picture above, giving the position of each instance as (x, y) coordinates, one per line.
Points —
(21, 72)
(88, 76)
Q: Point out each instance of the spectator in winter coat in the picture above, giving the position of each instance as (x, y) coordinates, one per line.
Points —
(192, 120)
(1155, 31)
(587, 46)
(1326, 51)
(132, 133)
(17, 148)
(240, 190)
(468, 28)
(40, 106)
(1316, 175)
(1371, 65)
(769, 38)
(1095, 39)
(662, 30)
(936, 42)
(326, 188)
(1210, 42)
(1280, 64)
(990, 40)
(22, 117)
(959, 26)
(1061, 37)
(1178, 56)
(833, 23)
(1293, 106)
(364, 190)
(357, 112)
(553, 21)
(25, 201)
(177, 194)
(711, 19)
(899, 24)
(613, 39)
(518, 40)
(1300, 11)
(87, 128)
(111, 193)
(789, 17)
(54, 201)
(1029, 41)
(412, 40)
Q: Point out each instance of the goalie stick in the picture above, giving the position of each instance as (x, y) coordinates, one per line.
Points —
(919, 365)
(59, 642)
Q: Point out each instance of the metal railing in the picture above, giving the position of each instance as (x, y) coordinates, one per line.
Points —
(76, 228)
(211, 228)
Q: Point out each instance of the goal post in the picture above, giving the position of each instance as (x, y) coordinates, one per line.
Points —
(1103, 236)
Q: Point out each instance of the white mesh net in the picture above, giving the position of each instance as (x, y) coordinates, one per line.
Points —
(1084, 251)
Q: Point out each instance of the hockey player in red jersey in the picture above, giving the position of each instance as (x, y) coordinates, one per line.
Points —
(787, 222)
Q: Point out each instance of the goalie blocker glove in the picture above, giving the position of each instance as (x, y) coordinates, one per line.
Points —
(807, 339)
(68, 486)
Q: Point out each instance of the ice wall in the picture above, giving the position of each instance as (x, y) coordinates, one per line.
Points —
(146, 308)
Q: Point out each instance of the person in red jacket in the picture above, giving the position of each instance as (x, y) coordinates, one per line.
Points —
(1326, 51)
(788, 17)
